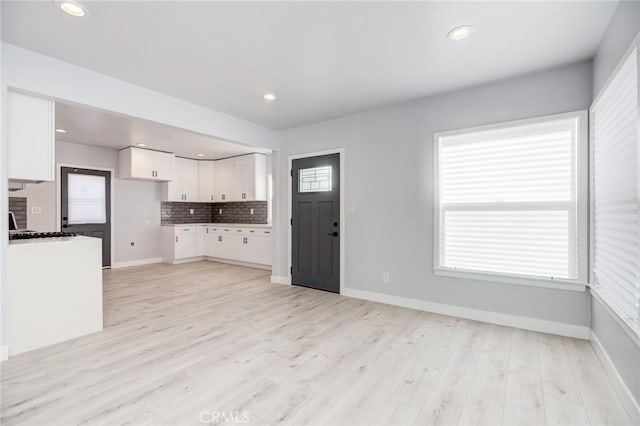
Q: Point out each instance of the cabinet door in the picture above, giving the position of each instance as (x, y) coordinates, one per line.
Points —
(189, 179)
(264, 251)
(174, 186)
(223, 180)
(242, 175)
(206, 189)
(234, 247)
(211, 243)
(186, 246)
(142, 163)
(30, 137)
(201, 240)
(163, 164)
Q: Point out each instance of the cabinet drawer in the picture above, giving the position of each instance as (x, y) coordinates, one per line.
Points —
(185, 230)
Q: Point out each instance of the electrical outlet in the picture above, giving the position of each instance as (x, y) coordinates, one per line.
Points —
(251, 211)
(190, 211)
(133, 243)
(386, 277)
(220, 211)
(36, 210)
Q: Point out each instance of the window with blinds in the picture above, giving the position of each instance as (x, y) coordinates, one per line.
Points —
(508, 200)
(616, 176)
(87, 199)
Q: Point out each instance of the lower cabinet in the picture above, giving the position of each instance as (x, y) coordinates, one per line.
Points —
(249, 245)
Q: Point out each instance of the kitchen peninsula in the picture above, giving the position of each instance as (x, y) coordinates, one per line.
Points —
(54, 291)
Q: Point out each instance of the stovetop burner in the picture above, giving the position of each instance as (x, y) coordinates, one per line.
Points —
(32, 235)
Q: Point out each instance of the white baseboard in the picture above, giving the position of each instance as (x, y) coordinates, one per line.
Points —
(4, 353)
(280, 280)
(630, 404)
(534, 324)
(139, 262)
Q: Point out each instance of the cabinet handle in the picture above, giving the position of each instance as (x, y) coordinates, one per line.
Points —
(219, 237)
(207, 230)
(176, 239)
(223, 196)
(244, 195)
(212, 198)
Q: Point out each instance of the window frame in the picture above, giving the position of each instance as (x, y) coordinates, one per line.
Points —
(582, 207)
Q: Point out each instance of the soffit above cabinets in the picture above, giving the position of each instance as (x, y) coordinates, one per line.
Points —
(90, 126)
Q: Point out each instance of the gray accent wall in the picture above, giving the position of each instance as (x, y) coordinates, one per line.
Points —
(616, 340)
(389, 191)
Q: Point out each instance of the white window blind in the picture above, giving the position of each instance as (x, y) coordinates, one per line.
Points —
(86, 199)
(507, 200)
(616, 135)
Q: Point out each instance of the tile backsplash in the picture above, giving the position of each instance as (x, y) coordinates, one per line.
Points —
(239, 212)
(18, 205)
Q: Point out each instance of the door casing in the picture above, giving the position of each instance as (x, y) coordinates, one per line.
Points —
(343, 223)
(59, 167)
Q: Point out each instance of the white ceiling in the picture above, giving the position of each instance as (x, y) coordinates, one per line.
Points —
(99, 128)
(322, 59)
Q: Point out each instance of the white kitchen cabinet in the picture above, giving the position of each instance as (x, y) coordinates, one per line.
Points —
(242, 178)
(180, 242)
(236, 244)
(30, 137)
(206, 179)
(184, 186)
(145, 164)
(223, 179)
(250, 178)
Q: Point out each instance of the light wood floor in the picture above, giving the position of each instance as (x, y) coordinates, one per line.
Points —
(207, 337)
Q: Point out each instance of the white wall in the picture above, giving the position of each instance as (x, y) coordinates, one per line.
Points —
(136, 204)
(389, 183)
(622, 349)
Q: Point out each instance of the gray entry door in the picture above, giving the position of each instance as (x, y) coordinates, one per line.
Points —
(315, 249)
(85, 198)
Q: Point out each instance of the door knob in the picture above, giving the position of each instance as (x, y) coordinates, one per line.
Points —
(334, 234)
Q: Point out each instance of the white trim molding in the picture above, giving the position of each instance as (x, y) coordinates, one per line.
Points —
(526, 323)
(630, 404)
(138, 262)
(281, 280)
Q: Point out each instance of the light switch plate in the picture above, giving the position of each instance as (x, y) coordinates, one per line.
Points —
(36, 210)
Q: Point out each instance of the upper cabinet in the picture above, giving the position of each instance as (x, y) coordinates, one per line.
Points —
(242, 178)
(250, 173)
(206, 179)
(30, 137)
(223, 179)
(145, 164)
(184, 186)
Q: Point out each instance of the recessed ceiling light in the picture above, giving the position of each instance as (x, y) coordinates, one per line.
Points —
(61, 131)
(72, 8)
(460, 33)
(200, 155)
(270, 97)
(141, 145)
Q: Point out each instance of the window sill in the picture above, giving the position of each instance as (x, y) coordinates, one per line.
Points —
(510, 279)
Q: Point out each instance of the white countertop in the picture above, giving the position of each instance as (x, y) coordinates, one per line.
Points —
(226, 225)
(34, 241)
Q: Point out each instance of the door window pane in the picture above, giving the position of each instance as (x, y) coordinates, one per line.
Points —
(86, 199)
(315, 179)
